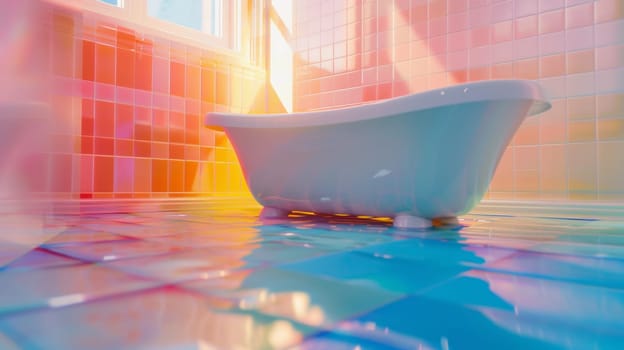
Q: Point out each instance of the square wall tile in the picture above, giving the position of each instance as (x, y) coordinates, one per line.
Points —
(553, 165)
(553, 65)
(525, 27)
(610, 168)
(580, 61)
(580, 15)
(582, 175)
(526, 158)
(525, 7)
(125, 67)
(610, 129)
(526, 69)
(104, 119)
(105, 64)
(580, 84)
(142, 175)
(88, 60)
(503, 179)
(124, 174)
(609, 57)
(552, 21)
(526, 181)
(581, 107)
(610, 81)
(581, 130)
(580, 38)
(103, 174)
(502, 31)
(528, 132)
(159, 175)
(608, 10)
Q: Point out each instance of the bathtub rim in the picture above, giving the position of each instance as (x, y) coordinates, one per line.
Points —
(473, 92)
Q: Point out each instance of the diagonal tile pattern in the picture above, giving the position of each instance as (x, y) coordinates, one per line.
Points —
(211, 274)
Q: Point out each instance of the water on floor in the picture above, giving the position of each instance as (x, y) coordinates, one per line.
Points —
(206, 275)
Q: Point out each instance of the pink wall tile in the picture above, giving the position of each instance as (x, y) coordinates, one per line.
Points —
(553, 21)
(502, 11)
(556, 42)
(124, 174)
(552, 66)
(609, 81)
(580, 16)
(525, 7)
(525, 26)
(608, 10)
(552, 43)
(609, 57)
(580, 38)
(546, 5)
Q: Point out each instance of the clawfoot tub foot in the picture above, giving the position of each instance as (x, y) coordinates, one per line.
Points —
(410, 221)
(446, 221)
(273, 213)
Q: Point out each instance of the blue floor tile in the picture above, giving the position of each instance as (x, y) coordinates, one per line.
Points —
(386, 272)
(300, 297)
(166, 318)
(436, 252)
(186, 265)
(454, 326)
(576, 305)
(114, 250)
(40, 258)
(592, 271)
(337, 341)
(55, 287)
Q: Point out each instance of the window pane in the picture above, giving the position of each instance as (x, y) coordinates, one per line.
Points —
(112, 2)
(188, 13)
(216, 14)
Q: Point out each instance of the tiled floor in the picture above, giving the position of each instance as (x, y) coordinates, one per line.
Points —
(210, 274)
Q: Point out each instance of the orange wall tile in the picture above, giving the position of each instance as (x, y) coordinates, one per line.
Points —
(105, 64)
(140, 101)
(103, 171)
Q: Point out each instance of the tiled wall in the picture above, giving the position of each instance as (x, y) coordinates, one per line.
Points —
(135, 103)
(350, 51)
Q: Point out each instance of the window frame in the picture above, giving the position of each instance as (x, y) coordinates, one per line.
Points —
(134, 13)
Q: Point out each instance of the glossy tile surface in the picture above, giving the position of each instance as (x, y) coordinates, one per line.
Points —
(210, 274)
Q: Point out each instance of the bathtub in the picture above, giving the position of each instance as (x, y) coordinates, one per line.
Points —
(419, 159)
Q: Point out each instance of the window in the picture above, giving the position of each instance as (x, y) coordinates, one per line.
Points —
(112, 2)
(202, 15)
(209, 22)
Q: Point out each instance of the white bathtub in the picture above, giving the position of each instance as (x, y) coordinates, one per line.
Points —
(415, 158)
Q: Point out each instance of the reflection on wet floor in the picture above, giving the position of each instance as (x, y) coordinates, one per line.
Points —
(211, 274)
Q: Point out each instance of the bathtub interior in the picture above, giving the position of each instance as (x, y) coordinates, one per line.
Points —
(210, 274)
